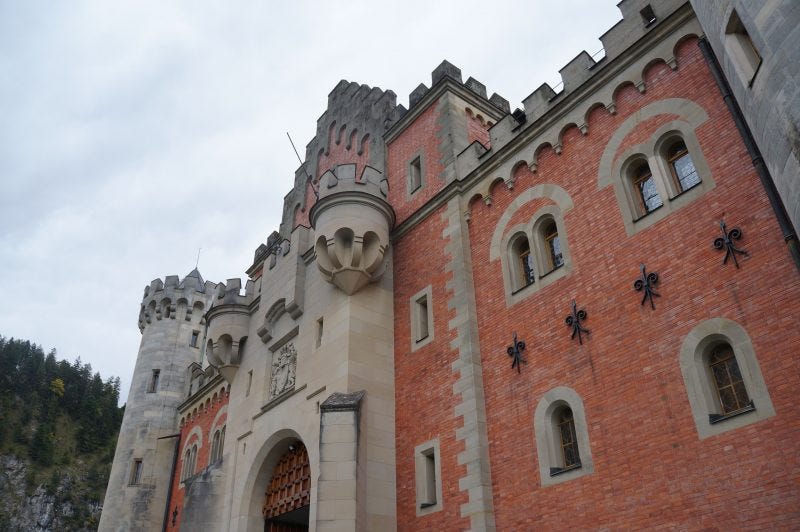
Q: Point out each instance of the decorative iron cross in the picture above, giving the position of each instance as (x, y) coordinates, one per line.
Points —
(515, 352)
(726, 242)
(574, 320)
(646, 284)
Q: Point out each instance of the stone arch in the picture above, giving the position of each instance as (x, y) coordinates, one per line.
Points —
(653, 63)
(591, 108)
(363, 144)
(331, 129)
(687, 110)
(553, 192)
(259, 476)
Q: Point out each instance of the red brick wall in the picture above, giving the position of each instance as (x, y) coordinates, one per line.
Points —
(423, 387)
(650, 467)
(477, 129)
(420, 135)
(202, 416)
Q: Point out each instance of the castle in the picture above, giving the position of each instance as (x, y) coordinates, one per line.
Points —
(578, 314)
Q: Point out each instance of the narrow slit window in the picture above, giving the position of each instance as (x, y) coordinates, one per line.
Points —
(415, 174)
(320, 326)
(422, 318)
(136, 472)
(430, 479)
(249, 382)
(154, 381)
(193, 340)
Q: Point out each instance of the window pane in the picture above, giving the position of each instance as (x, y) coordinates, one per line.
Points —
(733, 368)
(555, 252)
(728, 400)
(649, 193)
(686, 172)
(741, 394)
(720, 374)
(527, 269)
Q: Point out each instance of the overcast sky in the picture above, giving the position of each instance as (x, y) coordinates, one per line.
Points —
(134, 133)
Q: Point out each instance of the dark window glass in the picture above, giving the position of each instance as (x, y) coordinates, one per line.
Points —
(727, 379)
(569, 443)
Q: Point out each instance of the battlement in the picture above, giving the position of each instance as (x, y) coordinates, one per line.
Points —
(343, 179)
(447, 70)
(174, 298)
(230, 292)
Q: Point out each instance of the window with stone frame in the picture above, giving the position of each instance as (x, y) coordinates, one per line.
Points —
(645, 190)
(681, 167)
(136, 472)
(523, 262)
(552, 257)
(428, 481)
(724, 383)
(727, 380)
(562, 437)
(741, 49)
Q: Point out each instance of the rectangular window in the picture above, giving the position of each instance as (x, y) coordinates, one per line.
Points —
(249, 382)
(319, 331)
(421, 318)
(428, 477)
(195, 336)
(136, 472)
(415, 175)
(154, 381)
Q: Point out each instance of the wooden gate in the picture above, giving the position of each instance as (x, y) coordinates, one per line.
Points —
(290, 486)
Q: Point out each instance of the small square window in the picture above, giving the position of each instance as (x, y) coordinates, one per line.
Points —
(154, 381)
(195, 336)
(136, 472)
(648, 16)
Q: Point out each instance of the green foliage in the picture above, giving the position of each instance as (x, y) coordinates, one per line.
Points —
(65, 418)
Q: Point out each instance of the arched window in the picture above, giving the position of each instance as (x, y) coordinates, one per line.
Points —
(562, 437)
(681, 166)
(644, 188)
(523, 262)
(569, 442)
(552, 256)
(723, 380)
(727, 379)
(187, 457)
(215, 447)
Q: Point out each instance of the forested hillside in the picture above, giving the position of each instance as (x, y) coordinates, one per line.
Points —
(58, 431)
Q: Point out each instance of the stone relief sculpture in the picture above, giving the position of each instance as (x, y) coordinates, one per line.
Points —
(284, 363)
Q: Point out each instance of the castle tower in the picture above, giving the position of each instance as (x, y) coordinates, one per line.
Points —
(171, 320)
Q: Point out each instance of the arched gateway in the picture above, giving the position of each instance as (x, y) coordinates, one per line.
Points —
(287, 500)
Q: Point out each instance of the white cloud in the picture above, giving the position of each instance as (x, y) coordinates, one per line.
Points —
(135, 132)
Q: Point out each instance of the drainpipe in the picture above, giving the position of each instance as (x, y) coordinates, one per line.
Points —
(789, 233)
(171, 477)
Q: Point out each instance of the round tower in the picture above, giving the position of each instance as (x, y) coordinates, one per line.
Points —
(171, 319)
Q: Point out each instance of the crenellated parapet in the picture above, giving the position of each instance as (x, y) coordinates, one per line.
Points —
(350, 131)
(352, 220)
(176, 299)
(228, 323)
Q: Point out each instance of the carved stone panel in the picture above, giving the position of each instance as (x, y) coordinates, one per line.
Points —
(284, 364)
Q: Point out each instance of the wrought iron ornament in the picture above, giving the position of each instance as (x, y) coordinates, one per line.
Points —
(646, 284)
(515, 352)
(726, 242)
(574, 320)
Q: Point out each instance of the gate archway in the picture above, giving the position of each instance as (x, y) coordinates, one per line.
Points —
(287, 499)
